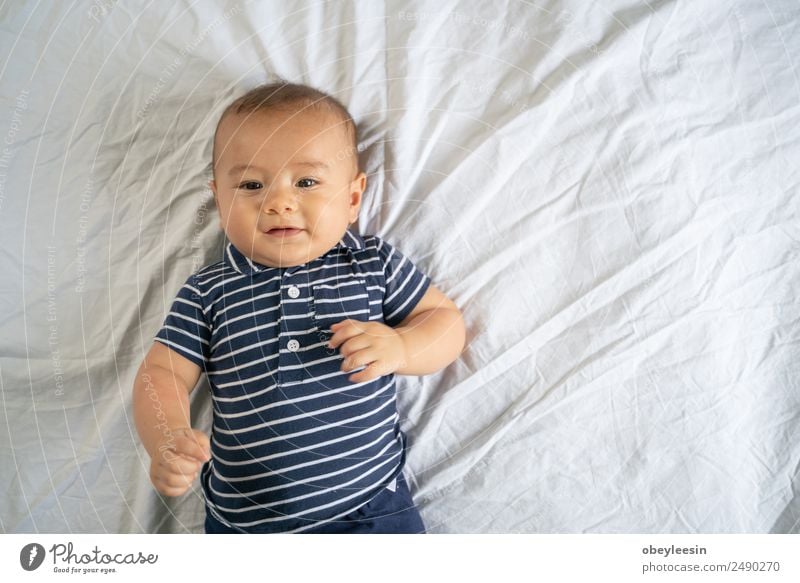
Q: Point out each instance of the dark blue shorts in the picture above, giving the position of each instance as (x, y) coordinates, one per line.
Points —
(387, 513)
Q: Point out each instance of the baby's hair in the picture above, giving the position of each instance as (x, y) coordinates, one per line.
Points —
(282, 95)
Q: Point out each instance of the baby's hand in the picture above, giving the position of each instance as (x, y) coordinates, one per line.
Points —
(372, 344)
(179, 458)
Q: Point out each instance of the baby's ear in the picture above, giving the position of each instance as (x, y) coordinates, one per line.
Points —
(357, 190)
(359, 184)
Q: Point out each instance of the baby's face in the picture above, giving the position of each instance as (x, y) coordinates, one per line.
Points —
(283, 169)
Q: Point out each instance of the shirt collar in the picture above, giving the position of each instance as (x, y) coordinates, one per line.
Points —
(243, 264)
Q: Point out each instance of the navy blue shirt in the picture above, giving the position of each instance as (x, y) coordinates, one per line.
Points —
(294, 442)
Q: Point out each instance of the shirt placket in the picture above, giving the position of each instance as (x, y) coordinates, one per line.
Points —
(291, 340)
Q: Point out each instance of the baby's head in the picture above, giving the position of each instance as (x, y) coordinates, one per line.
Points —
(285, 155)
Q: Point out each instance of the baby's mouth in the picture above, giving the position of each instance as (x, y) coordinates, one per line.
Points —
(284, 232)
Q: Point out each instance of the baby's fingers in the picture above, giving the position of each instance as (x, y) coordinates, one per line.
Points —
(179, 465)
(370, 373)
(172, 485)
(192, 444)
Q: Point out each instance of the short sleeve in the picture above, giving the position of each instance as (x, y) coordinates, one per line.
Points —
(405, 284)
(186, 329)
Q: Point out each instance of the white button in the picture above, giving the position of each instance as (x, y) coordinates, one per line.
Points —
(293, 345)
(294, 292)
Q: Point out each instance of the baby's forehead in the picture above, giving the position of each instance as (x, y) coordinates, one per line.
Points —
(314, 119)
(317, 134)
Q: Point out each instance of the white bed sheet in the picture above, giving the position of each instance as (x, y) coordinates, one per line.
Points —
(609, 192)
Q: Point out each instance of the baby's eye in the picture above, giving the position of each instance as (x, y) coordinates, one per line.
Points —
(251, 185)
(306, 182)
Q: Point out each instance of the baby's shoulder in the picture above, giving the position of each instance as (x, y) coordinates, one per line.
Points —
(374, 245)
(206, 277)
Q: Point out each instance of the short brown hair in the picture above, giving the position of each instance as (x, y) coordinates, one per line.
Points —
(287, 96)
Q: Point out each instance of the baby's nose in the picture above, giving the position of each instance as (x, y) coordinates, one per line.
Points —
(279, 200)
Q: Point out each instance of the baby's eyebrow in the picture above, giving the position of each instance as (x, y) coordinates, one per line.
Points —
(242, 167)
(313, 164)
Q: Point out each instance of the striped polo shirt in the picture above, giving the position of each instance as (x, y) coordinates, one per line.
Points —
(294, 443)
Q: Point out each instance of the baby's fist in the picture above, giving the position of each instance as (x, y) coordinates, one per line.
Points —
(178, 460)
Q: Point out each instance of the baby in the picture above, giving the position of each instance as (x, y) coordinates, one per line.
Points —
(301, 329)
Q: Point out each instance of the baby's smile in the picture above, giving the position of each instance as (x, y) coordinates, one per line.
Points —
(283, 233)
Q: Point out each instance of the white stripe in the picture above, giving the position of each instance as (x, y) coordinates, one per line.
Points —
(242, 333)
(213, 274)
(251, 300)
(179, 348)
(231, 278)
(247, 395)
(221, 341)
(182, 317)
(313, 462)
(397, 270)
(231, 258)
(351, 239)
(237, 289)
(192, 289)
(348, 313)
(277, 277)
(327, 264)
(314, 494)
(214, 267)
(327, 426)
(190, 303)
(332, 357)
(380, 247)
(304, 415)
(349, 281)
(228, 281)
(318, 378)
(262, 359)
(310, 510)
(410, 298)
(245, 316)
(245, 301)
(253, 265)
(284, 402)
(390, 421)
(399, 288)
(314, 478)
(185, 333)
(305, 316)
(307, 381)
(335, 266)
(244, 381)
(243, 349)
(340, 299)
(240, 381)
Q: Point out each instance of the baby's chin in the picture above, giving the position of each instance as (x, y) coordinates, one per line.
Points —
(288, 259)
(270, 252)
(282, 261)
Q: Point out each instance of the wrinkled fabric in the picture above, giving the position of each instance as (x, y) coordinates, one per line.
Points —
(609, 192)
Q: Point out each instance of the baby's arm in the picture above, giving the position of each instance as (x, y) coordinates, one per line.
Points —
(161, 413)
(433, 334)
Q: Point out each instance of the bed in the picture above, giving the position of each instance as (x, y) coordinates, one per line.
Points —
(608, 192)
